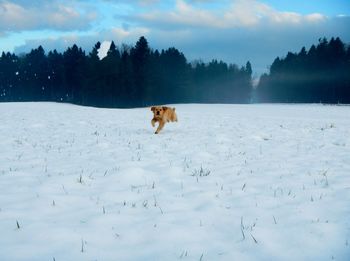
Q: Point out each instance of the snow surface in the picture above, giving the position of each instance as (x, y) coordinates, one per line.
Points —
(227, 182)
(103, 50)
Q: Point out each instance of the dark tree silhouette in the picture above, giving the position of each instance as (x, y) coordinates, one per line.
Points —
(34, 73)
(111, 77)
(126, 77)
(140, 56)
(56, 76)
(9, 78)
(318, 75)
(74, 60)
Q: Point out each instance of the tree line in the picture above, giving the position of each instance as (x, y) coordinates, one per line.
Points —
(321, 74)
(134, 76)
(129, 76)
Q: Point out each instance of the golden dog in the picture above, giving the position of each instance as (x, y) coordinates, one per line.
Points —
(162, 114)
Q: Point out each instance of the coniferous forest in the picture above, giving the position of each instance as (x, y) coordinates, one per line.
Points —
(321, 74)
(137, 76)
(129, 76)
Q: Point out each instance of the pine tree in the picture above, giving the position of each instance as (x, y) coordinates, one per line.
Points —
(75, 65)
(56, 75)
(111, 76)
(140, 59)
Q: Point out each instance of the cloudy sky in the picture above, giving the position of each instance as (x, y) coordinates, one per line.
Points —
(234, 31)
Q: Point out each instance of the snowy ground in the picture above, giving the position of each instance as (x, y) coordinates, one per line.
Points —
(227, 182)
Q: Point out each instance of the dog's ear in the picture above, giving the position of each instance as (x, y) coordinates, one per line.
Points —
(153, 108)
(174, 109)
(164, 108)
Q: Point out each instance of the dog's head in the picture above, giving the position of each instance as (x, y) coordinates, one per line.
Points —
(158, 111)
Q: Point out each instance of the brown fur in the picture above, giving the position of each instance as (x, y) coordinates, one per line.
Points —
(162, 115)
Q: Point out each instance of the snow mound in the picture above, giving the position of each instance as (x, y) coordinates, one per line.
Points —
(102, 52)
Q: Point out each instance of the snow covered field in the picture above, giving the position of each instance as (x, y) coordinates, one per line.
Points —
(227, 182)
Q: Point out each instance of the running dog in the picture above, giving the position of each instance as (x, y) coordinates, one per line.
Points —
(162, 114)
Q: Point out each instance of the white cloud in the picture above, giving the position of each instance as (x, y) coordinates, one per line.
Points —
(184, 14)
(241, 13)
(15, 17)
(121, 33)
(315, 17)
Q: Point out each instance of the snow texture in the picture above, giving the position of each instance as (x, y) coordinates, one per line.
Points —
(103, 50)
(227, 182)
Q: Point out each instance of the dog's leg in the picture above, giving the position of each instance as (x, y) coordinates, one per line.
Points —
(160, 127)
(153, 122)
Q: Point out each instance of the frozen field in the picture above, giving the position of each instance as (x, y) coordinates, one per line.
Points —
(227, 182)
